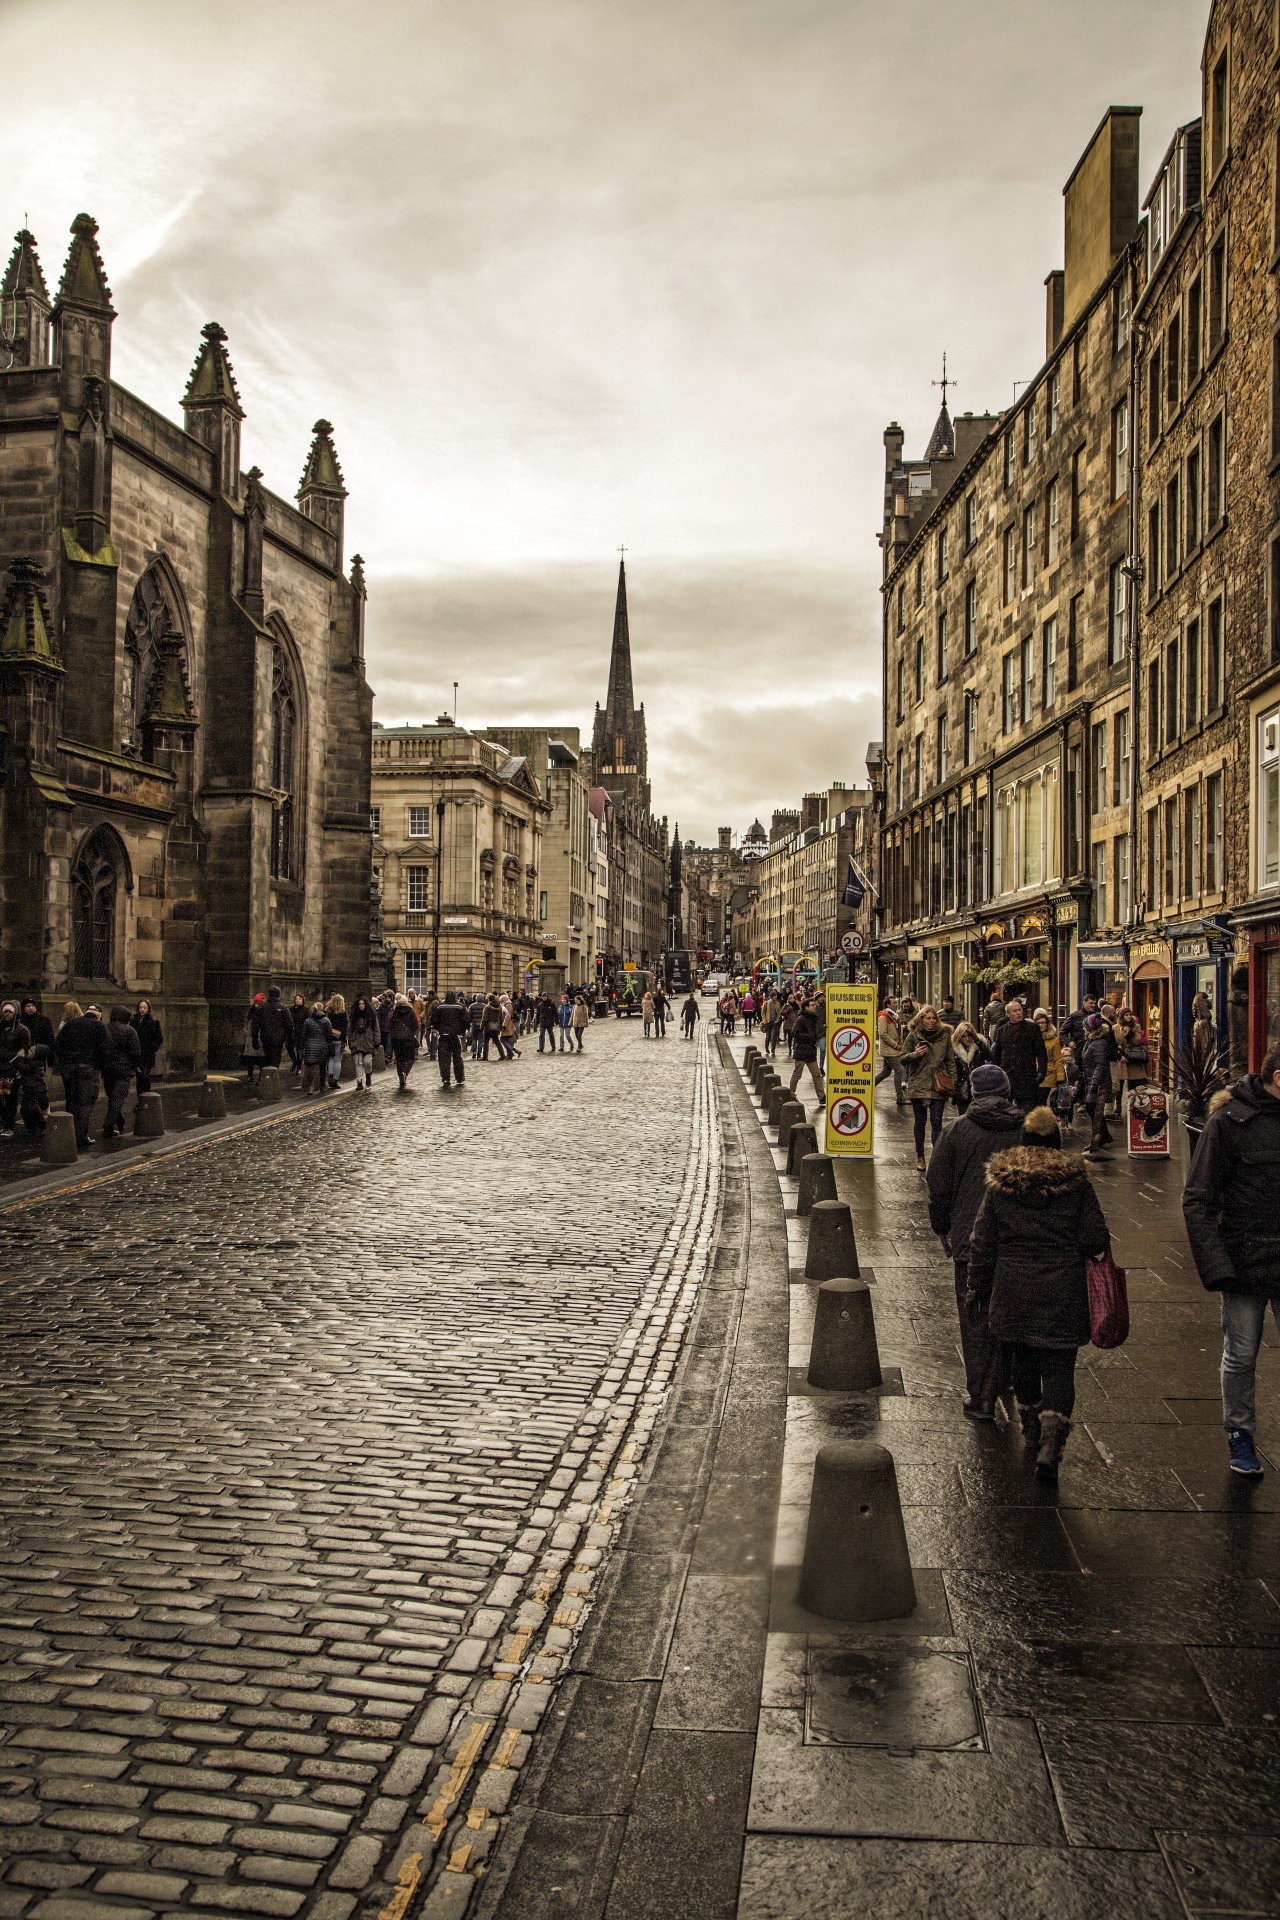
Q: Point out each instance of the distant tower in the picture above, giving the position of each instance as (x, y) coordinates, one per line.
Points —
(24, 307)
(675, 890)
(618, 746)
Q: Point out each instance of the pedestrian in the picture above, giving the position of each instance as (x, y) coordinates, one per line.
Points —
(930, 1061)
(545, 1011)
(1231, 1205)
(37, 1024)
(691, 1013)
(748, 1012)
(770, 1019)
(1204, 1031)
(1055, 1072)
(82, 1050)
(790, 1014)
(15, 1039)
(646, 1012)
(889, 1040)
(728, 1010)
(29, 1070)
(956, 1181)
(660, 1005)
(251, 1054)
(298, 1019)
(1095, 1074)
(317, 1040)
(119, 1069)
(947, 1012)
(339, 1024)
(507, 1034)
(1038, 1226)
(971, 1052)
(404, 1038)
(450, 1021)
(581, 1018)
(994, 1013)
(1134, 1053)
(364, 1037)
(275, 1027)
(150, 1040)
(1018, 1046)
(475, 1025)
(806, 1036)
(1071, 1031)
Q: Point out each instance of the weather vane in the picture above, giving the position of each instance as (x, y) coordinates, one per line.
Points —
(944, 383)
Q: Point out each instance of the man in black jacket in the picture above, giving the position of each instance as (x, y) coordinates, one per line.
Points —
(1018, 1047)
(450, 1021)
(82, 1049)
(956, 1186)
(37, 1024)
(15, 1040)
(1071, 1032)
(119, 1068)
(273, 1027)
(1231, 1204)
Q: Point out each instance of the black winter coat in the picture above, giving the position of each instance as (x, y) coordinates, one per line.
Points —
(452, 1020)
(363, 1032)
(804, 1036)
(958, 1167)
(40, 1027)
(274, 1024)
(298, 1018)
(1038, 1223)
(1231, 1202)
(404, 1032)
(126, 1053)
(83, 1041)
(13, 1040)
(1019, 1048)
(150, 1038)
(1095, 1062)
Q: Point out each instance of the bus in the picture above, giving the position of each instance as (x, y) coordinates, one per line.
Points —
(677, 970)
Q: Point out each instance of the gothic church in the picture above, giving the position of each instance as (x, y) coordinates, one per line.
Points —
(185, 723)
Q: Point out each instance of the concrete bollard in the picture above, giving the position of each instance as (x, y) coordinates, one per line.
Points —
(817, 1180)
(775, 1101)
(148, 1117)
(803, 1139)
(833, 1251)
(758, 1066)
(269, 1086)
(58, 1144)
(765, 1086)
(856, 1563)
(844, 1355)
(213, 1101)
(348, 1068)
(790, 1115)
(749, 1058)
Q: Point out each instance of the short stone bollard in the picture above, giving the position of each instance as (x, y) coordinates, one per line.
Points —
(817, 1181)
(765, 1086)
(856, 1563)
(348, 1068)
(844, 1355)
(803, 1139)
(749, 1058)
(148, 1117)
(833, 1252)
(759, 1066)
(790, 1115)
(58, 1142)
(213, 1101)
(269, 1086)
(776, 1100)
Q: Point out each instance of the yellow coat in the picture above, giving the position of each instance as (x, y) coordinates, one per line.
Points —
(1057, 1072)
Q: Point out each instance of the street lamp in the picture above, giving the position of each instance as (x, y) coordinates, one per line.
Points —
(435, 954)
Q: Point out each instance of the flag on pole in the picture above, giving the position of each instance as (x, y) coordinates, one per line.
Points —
(854, 890)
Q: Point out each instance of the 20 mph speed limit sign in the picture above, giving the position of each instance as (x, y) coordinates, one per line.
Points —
(852, 941)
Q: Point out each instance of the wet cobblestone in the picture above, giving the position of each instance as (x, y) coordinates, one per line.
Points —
(310, 1443)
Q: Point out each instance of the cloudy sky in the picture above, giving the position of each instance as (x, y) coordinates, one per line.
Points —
(569, 274)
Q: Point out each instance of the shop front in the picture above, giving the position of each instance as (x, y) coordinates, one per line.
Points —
(1013, 952)
(1150, 996)
(1064, 981)
(1104, 970)
(1264, 979)
(1203, 958)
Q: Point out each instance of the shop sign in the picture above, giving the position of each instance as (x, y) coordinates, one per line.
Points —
(1031, 926)
(1140, 950)
(454, 920)
(994, 932)
(1185, 950)
(915, 953)
(1094, 953)
(1147, 1117)
(1067, 913)
(851, 1069)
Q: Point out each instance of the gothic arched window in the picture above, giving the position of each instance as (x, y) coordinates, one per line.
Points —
(95, 884)
(284, 731)
(151, 616)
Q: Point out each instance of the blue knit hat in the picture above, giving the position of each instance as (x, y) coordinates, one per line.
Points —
(989, 1079)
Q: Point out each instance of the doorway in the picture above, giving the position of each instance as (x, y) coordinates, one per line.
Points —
(1151, 998)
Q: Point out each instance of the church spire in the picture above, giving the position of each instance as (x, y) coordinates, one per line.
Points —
(82, 315)
(211, 407)
(321, 491)
(24, 306)
(620, 700)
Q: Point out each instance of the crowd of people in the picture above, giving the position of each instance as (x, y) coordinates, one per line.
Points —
(87, 1052)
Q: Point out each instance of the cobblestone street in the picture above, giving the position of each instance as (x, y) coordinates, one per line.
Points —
(313, 1441)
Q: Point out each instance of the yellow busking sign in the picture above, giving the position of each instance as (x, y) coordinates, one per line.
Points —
(851, 1069)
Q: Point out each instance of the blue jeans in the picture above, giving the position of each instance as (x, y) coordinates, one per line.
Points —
(1243, 1315)
(934, 1110)
(335, 1062)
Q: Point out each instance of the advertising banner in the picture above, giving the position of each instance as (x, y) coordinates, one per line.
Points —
(1147, 1114)
(851, 1069)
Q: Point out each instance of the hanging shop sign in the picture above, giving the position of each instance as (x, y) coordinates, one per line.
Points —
(915, 953)
(1147, 1118)
(851, 1069)
(1140, 950)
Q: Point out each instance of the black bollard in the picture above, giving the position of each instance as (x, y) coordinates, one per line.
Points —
(749, 1058)
(833, 1251)
(148, 1117)
(213, 1101)
(844, 1356)
(856, 1563)
(790, 1115)
(776, 1100)
(817, 1180)
(803, 1140)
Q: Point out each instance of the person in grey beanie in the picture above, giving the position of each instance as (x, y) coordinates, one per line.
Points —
(956, 1180)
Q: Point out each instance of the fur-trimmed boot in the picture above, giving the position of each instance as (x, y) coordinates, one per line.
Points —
(1029, 1420)
(1054, 1429)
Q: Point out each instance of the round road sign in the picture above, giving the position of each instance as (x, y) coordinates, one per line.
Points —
(850, 1045)
(852, 941)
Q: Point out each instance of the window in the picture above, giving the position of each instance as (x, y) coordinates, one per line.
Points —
(1028, 665)
(1120, 326)
(1153, 855)
(1155, 395)
(1010, 565)
(971, 520)
(1099, 855)
(1049, 661)
(1009, 690)
(1077, 460)
(1173, 364)
(1124, 887)
(1195, 324)
(902, 606)
(1051, 521)
(1075, 640)
(1217, 315)
(970, 728)
(1116, 626)
(1213, 880)
(284, 722)
(971, 618)
(1171, 693)
(1172, 526)
(1170, 851)
(1153, 709)
(1153, 551)
(1217, 469)
(919, 667)
(415, 973)
(898, 787)
(1192, 497)
(943, 566)
(1029, 432)
(1029, 544)
(942, 647)
(1191, 841)
(1214, 684)
(94, 888)
(1071, 814)
(542, 905)
(942, 748)
(1098, 796)
(1010, 460)
(419, 823)
(1120, 450)
(902, 676)
(917, 783)
(1054, 410)
(416, 883)
(919, 581)
(1269, 799)
(1191, 674)
(1218, 113)
(1275, 395)
(1123, 771)
(375, 821)
(1275, 184)
(1077, 368)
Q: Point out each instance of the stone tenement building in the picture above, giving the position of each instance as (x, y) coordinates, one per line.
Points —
(718, 885)
(636, 926)
(184, 796)
(570, 851)
(798, 905)
(457, 825)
